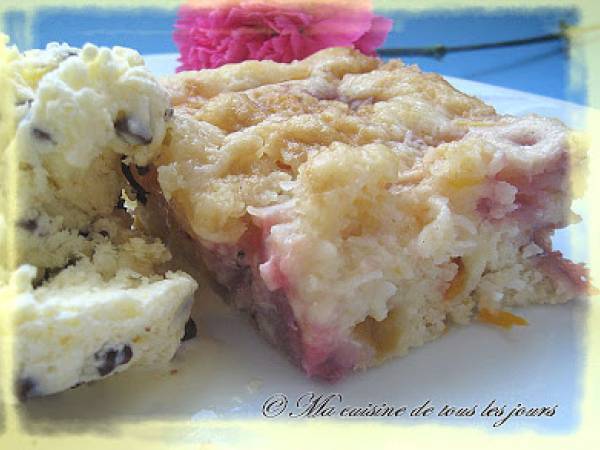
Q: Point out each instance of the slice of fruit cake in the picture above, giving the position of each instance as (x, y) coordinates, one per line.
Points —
(356, 208)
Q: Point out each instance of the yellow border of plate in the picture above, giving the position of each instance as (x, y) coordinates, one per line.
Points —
(262, 434)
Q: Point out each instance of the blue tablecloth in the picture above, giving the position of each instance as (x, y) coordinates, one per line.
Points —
(539, 68)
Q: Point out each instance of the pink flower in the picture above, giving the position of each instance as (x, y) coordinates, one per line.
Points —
(234, 32)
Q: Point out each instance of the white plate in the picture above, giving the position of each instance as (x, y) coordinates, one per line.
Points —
(229, 371)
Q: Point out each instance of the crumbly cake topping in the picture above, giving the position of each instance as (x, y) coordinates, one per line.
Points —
(244, 131)
(366, 180)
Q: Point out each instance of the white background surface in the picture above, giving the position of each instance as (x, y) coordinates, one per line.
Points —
(229, 371)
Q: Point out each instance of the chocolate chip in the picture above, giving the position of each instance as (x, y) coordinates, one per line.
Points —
(25, 388)
(51, 272)
(140, 194)
(27, 101)
(169, 112)
(42, 135)
(71, 262)
(142, 170)
(70, 53)
(112, 358)
(55, 270)
(190, 330)
(28, 224)
(121, 204)
(133, 131)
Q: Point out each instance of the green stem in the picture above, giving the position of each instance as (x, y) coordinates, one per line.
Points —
(439, 51)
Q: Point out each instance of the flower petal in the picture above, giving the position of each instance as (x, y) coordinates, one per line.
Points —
(233, 32)
(375, 37)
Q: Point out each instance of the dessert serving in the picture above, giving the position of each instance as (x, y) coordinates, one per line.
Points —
(355, 209)
(90, 296)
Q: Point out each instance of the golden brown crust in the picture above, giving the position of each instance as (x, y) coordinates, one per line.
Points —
(254, 125)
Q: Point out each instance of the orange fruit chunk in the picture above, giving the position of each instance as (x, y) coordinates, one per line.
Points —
(502, 319)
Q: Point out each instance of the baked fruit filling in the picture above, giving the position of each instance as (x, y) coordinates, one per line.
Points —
(356, 208)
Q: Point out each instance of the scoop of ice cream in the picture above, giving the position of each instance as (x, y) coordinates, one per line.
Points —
(79, 114)
(91, 296)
